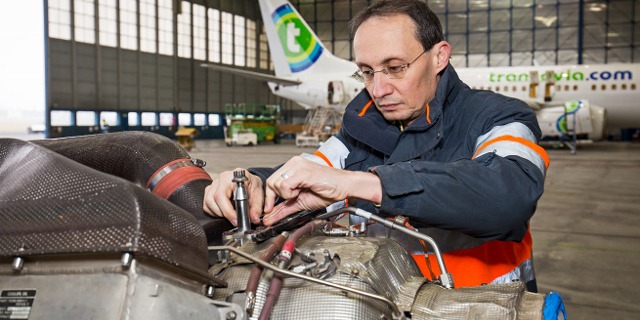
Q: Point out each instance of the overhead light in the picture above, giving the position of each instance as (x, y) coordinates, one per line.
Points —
(546, 21)
(597, 7)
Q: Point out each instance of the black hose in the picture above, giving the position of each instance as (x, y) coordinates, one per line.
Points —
(143, 157)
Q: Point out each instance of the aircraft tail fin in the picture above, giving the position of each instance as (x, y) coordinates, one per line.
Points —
(294, 47)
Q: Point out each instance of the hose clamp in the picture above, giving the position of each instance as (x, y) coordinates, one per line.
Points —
(166, 169)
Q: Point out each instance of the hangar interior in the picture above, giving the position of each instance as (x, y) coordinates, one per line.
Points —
(135, 64)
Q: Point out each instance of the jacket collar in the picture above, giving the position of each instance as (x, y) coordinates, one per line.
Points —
(365, 123)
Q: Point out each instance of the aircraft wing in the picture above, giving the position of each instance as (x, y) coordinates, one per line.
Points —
(253, 75)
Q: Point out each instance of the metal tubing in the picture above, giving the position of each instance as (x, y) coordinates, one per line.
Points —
(397, 314)
(445, 277)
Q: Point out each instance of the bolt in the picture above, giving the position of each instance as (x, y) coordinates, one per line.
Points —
(18, 263)
(209, 291)
(231, 315)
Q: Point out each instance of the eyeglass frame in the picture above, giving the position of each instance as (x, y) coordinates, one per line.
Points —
(360, 76)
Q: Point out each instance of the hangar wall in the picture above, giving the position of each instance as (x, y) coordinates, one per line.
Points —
(145, 55)
(509, 32)
(112, 68)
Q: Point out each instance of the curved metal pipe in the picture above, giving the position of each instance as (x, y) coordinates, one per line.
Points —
(397, 314)
(445, 277)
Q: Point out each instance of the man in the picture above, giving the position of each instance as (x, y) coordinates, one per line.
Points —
(463, 165)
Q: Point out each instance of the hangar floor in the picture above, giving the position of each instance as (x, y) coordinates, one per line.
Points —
(586, 230)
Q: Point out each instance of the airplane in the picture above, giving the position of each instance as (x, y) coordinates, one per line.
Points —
(586, 100)
(305, 71)
(570, 101)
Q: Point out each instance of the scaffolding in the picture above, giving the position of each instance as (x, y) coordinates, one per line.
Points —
(320, 124)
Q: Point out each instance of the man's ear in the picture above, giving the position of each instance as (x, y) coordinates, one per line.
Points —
(443, 53)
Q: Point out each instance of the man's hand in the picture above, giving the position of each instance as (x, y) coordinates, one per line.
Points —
(307, 185)
(218, 197)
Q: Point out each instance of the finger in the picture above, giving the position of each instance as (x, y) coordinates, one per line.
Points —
(209, 205)
(287, 184)
(279, 186)
(222, 198)
(269, 199)
(255, 210)
(256, 199)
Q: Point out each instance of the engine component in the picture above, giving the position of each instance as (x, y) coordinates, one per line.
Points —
(284, 258)
(144, 158)
(344, 296)
(317, 269)
(376, 279)
(83, 244)
(256, 272)
(50, 204)
(445, 278)
(150, 161)
(242, 201)
(288, 223)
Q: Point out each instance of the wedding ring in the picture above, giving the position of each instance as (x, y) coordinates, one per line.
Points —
(284, 176)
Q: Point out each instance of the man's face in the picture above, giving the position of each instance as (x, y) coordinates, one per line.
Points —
(381, 42)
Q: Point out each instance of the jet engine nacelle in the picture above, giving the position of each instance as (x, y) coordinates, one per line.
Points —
(573, 116)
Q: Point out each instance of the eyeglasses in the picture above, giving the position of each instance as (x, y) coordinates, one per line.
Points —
(392, 72)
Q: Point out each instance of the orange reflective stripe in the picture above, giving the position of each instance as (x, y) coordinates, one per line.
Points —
(366, 107)
(483, 264)
(538, 149)
(428, 112)
(323, 157)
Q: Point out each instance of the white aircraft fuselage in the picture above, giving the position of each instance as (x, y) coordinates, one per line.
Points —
(614, 87)
(313, 92)
(580, 99)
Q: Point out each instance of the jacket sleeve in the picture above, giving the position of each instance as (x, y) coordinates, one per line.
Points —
(492, 194)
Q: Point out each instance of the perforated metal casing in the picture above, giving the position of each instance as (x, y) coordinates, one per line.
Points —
(50, 205)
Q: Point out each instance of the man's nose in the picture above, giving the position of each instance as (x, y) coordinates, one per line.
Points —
(381, 86)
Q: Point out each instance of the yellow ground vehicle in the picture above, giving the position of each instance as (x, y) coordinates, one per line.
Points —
(186, 137)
